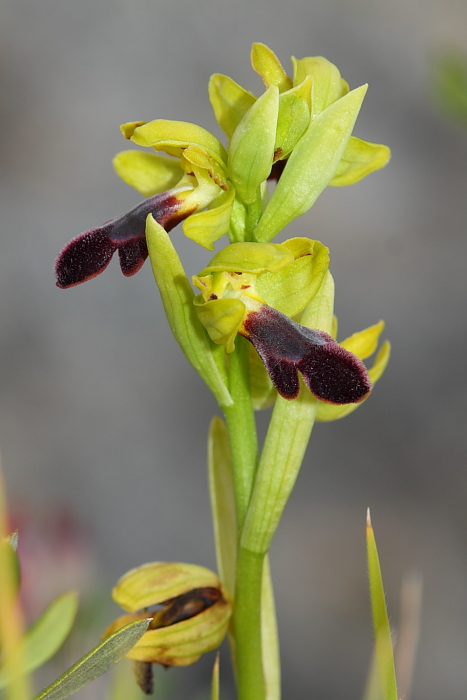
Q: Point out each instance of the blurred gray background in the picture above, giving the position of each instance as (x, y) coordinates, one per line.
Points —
(102, 419)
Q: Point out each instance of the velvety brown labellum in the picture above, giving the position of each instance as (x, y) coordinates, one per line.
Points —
(331, 373)
(88, 254)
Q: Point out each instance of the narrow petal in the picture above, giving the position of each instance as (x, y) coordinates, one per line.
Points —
(84, 257)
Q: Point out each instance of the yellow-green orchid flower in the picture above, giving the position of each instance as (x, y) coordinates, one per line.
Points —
(253, 289)
(192, 619)
(195, 178)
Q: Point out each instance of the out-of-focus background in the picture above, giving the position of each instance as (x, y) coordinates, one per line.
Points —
(102, 422)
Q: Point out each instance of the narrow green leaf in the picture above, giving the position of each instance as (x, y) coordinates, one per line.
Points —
(383, 641)
(96, 662)
(221, 491)
(270, 637)
(177, 298)
(47, 634)
(215, 679)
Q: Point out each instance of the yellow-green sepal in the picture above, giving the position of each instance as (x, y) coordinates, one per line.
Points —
(251, 150)
(177, 298)
(362, 344)
(254, 258)
(149, 173)
(265, 62)
(206, 227)
(222, 319)
(311, 165)
(157, 582)
(174, 137)
(292, 288)
(229, 101)
(359, 160)
(293, 119)
(328, 85)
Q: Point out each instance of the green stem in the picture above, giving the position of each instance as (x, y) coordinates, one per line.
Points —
(240, 419)
(247, 626)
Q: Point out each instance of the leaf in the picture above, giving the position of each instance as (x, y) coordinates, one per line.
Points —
(95, 663)
(47, 634)
(383, 641)
(221, 491)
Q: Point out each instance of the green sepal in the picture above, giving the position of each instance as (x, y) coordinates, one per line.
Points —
(382, 630)
(158, 582)
(293, 119)
(96, 662)
(221, 491)
(229, 101)
(222, 318)
(149, 173)
(251, 150)
(286, 441)
(311, 165)
(327, 81)
(328, 412)
(177, 298)
(249, 257)
(47, 634)
(359, 160)
(206, 227)
(174, 137)
(291, 289)
(265, 62)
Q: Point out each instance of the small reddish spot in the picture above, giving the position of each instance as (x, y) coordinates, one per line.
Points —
(245, 286)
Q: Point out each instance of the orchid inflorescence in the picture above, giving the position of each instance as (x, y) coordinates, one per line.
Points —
(284, 148)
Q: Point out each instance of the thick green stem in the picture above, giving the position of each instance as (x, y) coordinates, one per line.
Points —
(241, 425)
(247, 626)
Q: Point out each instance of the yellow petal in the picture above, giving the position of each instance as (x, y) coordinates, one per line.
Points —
(222, 318)
(364, 343)
(206, 227)
(149, 173)
(327, 82)
(359, 160)
(266, 63)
